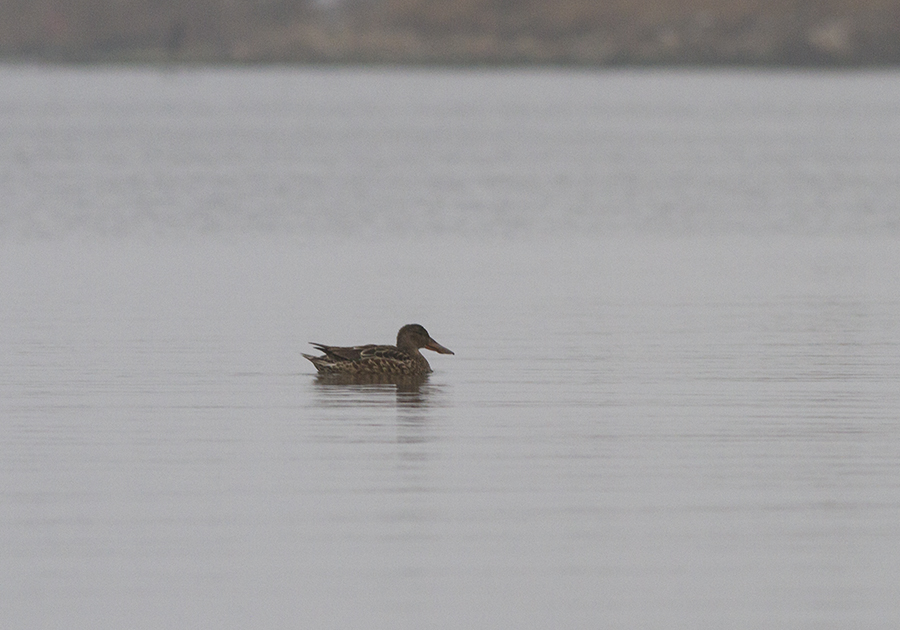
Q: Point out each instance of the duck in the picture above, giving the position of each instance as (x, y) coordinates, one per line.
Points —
(404, 359)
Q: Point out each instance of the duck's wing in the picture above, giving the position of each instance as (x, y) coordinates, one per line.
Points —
(339, 353)
(360, 353)
(390, 353)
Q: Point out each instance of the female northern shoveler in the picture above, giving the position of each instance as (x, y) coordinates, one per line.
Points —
(404, 359)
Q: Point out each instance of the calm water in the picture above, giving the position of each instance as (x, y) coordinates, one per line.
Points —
(673, 298)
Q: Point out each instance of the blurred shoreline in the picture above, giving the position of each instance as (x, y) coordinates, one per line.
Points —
(457, 32)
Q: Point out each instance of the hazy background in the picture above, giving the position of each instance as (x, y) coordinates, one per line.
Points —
(762, 32)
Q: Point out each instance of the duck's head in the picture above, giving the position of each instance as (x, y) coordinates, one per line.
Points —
(416, 336)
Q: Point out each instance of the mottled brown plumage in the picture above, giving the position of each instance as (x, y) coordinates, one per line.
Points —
(404, 359)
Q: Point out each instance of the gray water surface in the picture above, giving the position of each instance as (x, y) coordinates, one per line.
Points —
(673, 298)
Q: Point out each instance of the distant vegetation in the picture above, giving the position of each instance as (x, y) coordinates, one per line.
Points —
(598, 32)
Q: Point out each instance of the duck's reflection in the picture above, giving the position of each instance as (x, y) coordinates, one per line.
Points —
(412, 402)
(374, 390)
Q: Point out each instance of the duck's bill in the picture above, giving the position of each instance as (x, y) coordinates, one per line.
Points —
(436, 347)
